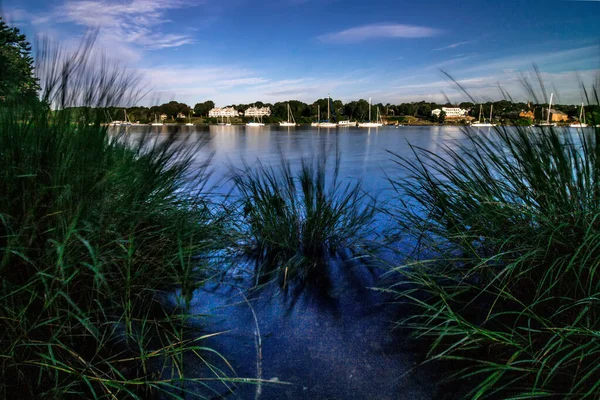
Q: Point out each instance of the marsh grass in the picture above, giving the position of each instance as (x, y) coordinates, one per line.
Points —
(510, 291)
(295, 221)
(94, 230)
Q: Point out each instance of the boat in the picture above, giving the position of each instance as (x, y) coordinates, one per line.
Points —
(126, 122)
(327, 123)
(190, 121)
(547, 123)
(255, 122)
(581, 122)
(346, 124)
(480, 123)
(156, 123)
(316, 123)
(290, 119)
(378, 122)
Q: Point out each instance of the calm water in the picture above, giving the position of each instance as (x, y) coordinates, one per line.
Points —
(334, 341)
(364, 152)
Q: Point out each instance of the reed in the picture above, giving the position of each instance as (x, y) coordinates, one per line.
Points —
(295, 221)
(504, 277)
(94, 231)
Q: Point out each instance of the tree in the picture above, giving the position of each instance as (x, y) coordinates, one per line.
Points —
(16, 64)
(442, 117)
(202, 109)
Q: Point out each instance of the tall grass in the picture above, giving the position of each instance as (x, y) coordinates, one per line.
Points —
(295, 221)
(509, 292)
(93, 230)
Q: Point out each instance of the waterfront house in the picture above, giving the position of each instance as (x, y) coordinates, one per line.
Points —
(180, 115)
(527, 115)
(558, 116)
(163, 117)
(451, 112)
(222, 112)
(258, 112)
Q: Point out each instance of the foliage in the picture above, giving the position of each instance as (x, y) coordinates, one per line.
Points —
(16, 64)
(505, 281)
(202, 109)
(295, 220)
(442, 117)
(93, 229)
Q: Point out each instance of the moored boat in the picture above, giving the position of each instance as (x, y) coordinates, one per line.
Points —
(581, 122)
(481, 123)
(370, 124)
(290, 118)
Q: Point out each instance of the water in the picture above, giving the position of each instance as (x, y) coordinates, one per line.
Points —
(332, 341)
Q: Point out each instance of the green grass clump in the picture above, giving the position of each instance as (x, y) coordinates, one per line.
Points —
(94, 229)
(295, 221)
(509, 288)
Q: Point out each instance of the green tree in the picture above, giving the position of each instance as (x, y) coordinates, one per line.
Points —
(202, 109)
(16, 64)
(442, 117)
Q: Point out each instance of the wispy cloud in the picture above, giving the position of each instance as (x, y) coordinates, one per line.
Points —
(136, 22)
(453, 45)
(451, 62)
(379, 31)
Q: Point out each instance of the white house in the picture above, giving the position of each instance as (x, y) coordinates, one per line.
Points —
(223, 112)
(451, 112)
(258, 112)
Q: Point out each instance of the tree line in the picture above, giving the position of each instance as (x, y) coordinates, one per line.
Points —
(354, 110)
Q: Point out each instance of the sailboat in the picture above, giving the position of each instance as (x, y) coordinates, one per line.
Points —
(126, 122)
(548, 123)
(581, 123)
(328, 123)
(189, 120)
(290, 118)
(156, 123)
(255, 122)
(378, 122)
(316, 123)
(483, 123)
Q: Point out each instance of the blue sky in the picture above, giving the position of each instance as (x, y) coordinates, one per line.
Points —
(240, 51)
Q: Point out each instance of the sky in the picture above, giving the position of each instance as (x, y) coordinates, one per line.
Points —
(242, 51)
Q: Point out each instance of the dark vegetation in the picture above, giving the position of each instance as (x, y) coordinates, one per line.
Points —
(297, 220)
(94, 229)
(506, 285)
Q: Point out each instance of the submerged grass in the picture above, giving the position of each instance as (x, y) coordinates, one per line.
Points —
(510, 291)
(94, 228)
(295, 221)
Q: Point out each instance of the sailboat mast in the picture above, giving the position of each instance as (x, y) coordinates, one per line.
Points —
(581, 115)
(491, 110)
(549, 107)
(480, 112)
(328, 109)
(370, 109)
(318, 113)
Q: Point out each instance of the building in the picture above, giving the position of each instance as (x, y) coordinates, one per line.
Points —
(527, 115)
(180, 115)
(558, 116)
(451, 112)
(258, 112)
(163, 117)
(223, 112)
